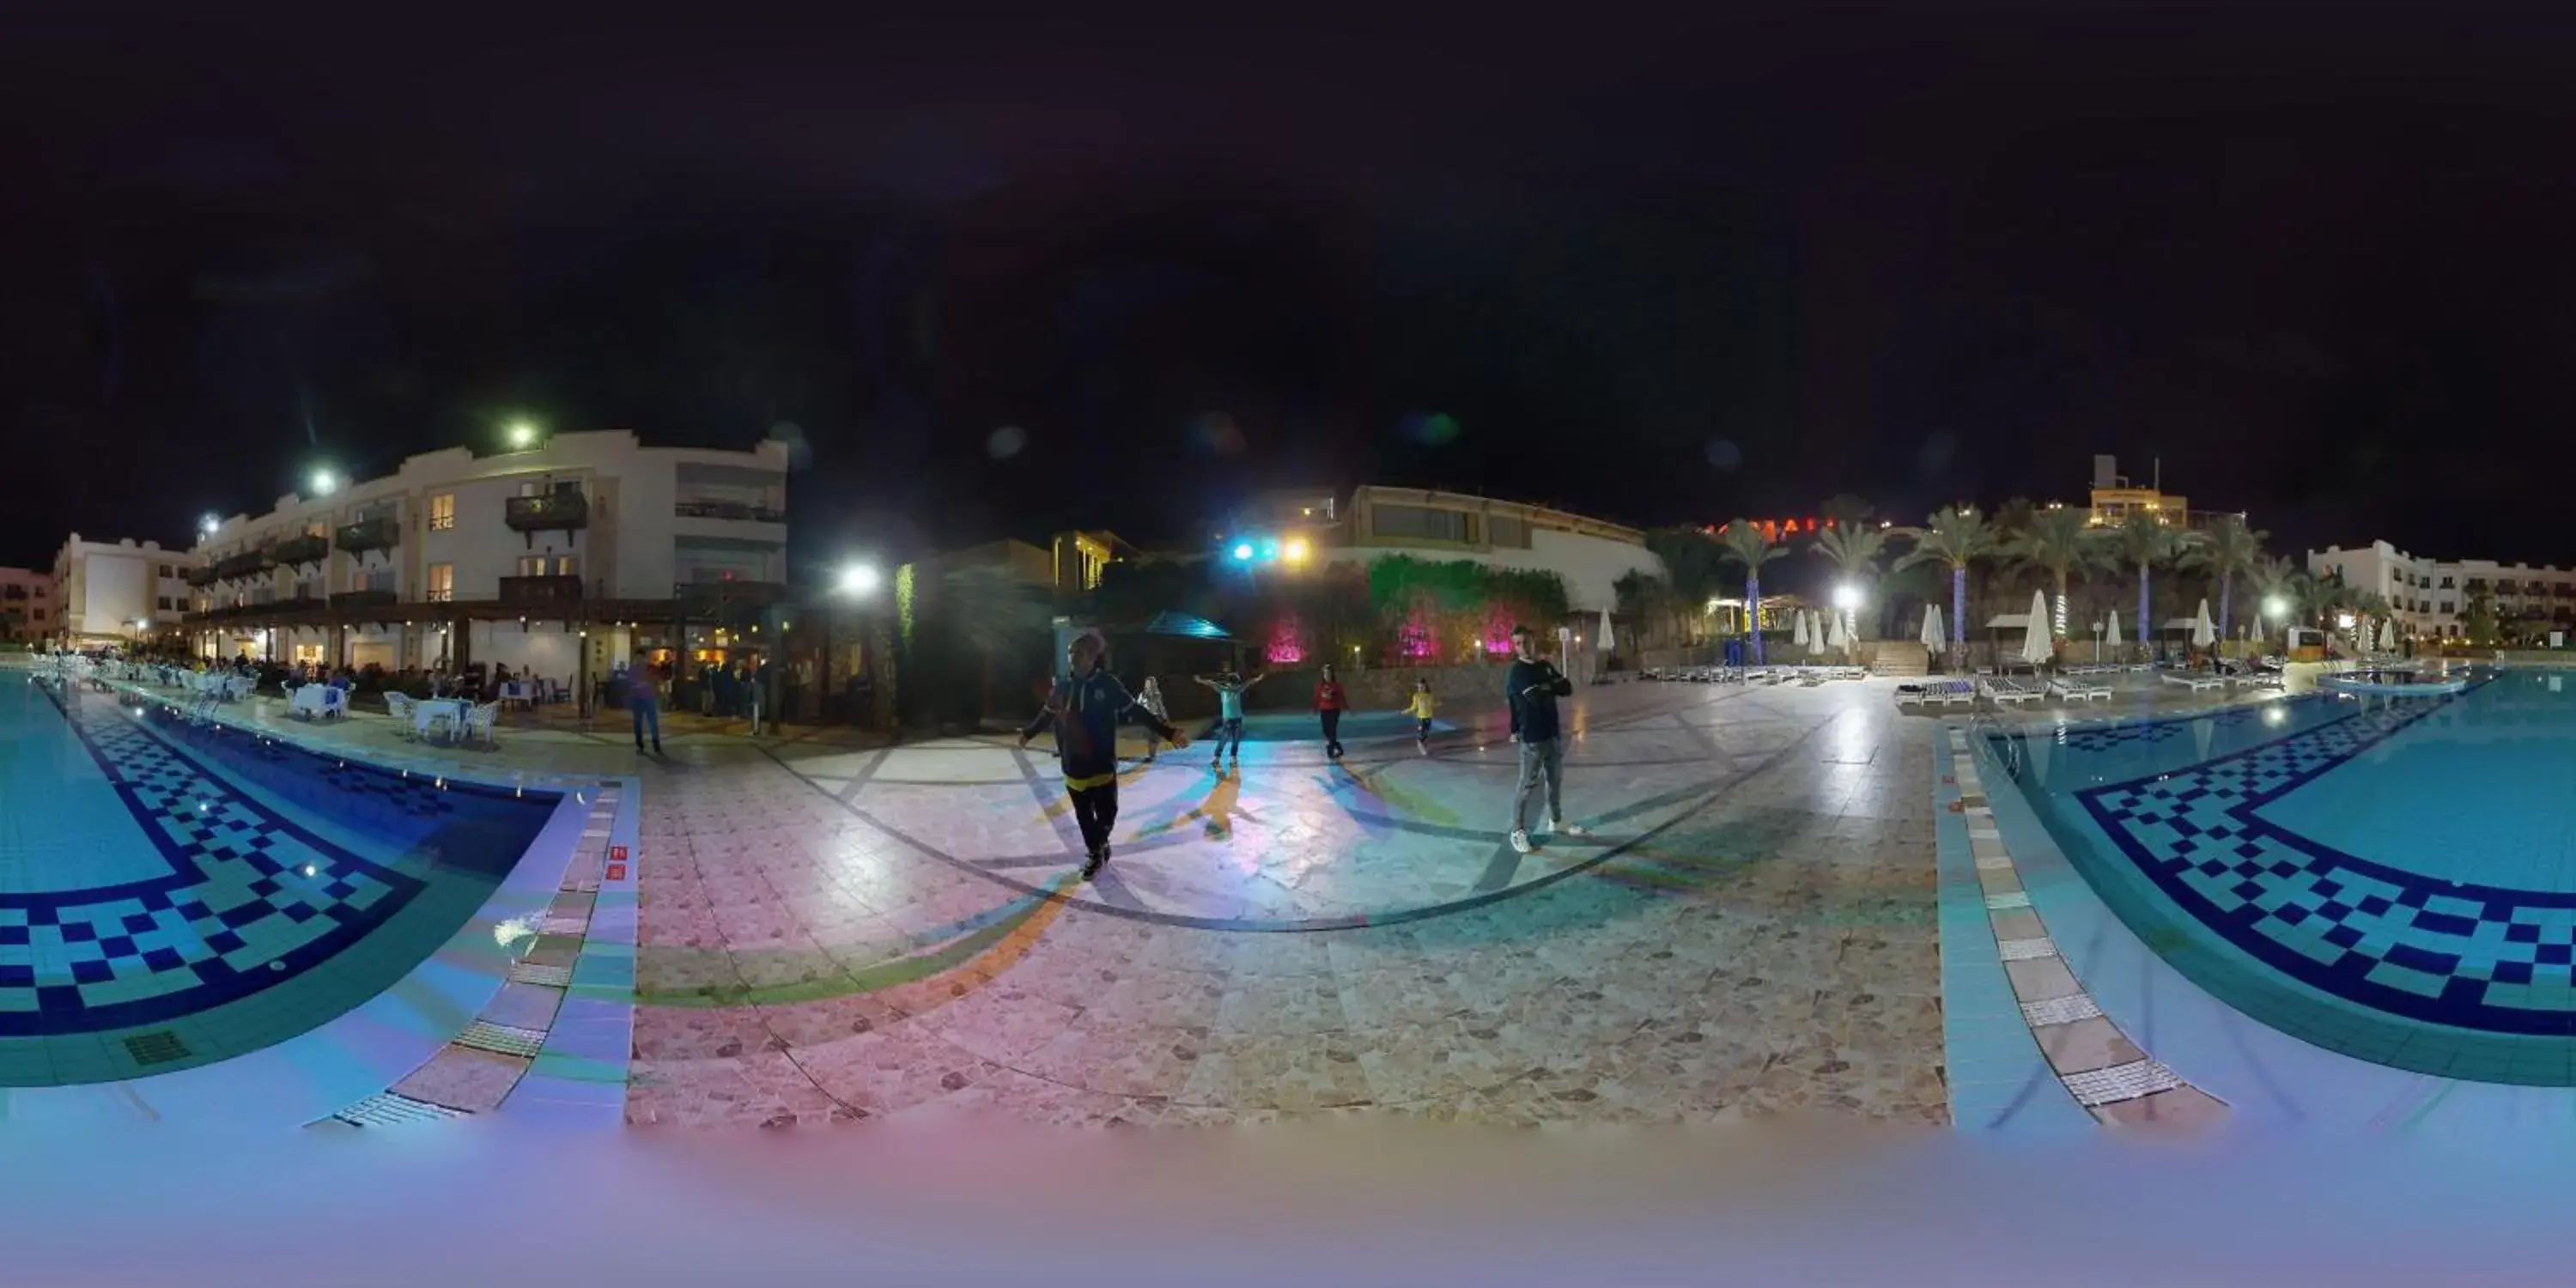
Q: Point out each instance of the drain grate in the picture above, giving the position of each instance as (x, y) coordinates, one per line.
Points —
(532, 973)
(501, 1039)
(391, 1109)
(149, 1049)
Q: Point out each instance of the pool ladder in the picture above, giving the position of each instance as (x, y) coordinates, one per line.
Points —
(2005, 737)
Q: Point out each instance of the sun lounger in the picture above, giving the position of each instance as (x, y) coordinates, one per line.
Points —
(1936, 693)
(2075, 690)
(2004, 690)
(2194, 681)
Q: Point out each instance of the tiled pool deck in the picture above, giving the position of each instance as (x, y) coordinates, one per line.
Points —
(1790, 905)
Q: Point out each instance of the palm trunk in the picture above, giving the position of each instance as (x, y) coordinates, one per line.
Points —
(2226, 599)
(1753, 612)
(1959, 611)
(2142, 609)
(2057, 625)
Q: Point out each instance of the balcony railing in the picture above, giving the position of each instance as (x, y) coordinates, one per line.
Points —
(744, 511)
(200, 578)
(363, 599)
(564, 511)
(540, 590)
(249, 563)
(708, 596)
(297, 552)
(379, 533)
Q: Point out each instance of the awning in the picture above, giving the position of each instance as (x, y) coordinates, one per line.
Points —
(1187, 627)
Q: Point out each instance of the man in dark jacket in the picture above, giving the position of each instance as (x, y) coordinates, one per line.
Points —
(1531, 685)
(1085, 709)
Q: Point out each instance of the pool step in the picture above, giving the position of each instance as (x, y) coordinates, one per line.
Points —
(392, 1109)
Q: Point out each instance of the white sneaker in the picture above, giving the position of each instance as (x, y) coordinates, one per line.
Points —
(1520, 840)
(1558, 825)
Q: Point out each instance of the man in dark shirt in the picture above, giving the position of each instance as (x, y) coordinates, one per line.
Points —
(1085, 710)
(1531, 686)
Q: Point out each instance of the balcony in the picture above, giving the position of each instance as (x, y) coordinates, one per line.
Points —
(249, 563)
(379, 533)
(540, 590)
(739, 511)
(300, 552)
(562, 511)
(363, 599)
(713, 596)
(200, 578)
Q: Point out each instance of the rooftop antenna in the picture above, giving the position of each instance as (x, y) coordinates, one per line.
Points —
(2160, 473)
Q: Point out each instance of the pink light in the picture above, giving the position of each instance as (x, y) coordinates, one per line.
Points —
(1285, 647)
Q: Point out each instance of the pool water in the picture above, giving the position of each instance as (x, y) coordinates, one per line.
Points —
(174, 894)
(2393, 878)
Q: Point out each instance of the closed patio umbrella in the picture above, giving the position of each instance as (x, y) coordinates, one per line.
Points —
(2037, 644)
(1608, 641)
(2111, 631)
(1798, 629)
(2203, 632)
(2387, 636)
(1834, 637)
(1932, 637)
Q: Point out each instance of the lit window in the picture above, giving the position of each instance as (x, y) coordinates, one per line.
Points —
(442, 580)
(442, 512)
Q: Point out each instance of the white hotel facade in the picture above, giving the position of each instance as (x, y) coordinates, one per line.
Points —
(117, 592)
(565, 558)
(2431, 596)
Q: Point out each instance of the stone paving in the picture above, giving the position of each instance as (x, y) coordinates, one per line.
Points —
(834, 936)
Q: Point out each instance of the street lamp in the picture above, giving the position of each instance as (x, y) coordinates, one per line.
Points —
(209, 525)
(859, 580)
(325, 482)
(521, 435)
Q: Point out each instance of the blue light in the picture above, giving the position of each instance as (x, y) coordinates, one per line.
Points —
(1269, 549)
(1243, 552)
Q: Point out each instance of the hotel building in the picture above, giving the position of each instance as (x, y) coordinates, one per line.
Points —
(1375, 522)
(117, 592)
(27, 607)
(564, 558)
(2431, 596)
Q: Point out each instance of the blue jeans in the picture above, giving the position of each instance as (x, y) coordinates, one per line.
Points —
(648, 715)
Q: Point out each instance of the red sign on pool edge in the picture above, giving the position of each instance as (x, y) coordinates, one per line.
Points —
(616, 871)
(617, 854)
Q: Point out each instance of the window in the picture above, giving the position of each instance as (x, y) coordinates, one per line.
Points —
(2446, 583)
(442, 579)
(38, 614)
(1510, 534)
(1419, 523)
(532, 565)
(442, 512)
(164, 604)
(169, 571)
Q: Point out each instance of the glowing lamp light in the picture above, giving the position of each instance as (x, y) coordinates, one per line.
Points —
(2275, 606)
(209, 525)
(2343, 621)
(325, 482)
(1847, 597)
(1243, 552)
(1269, 550)
(521, 434)
(1297, 550)
(859, 579)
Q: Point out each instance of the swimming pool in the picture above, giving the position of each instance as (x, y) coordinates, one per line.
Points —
(176, 894)
(2393, 878)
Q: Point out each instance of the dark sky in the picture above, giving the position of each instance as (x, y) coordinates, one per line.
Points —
(2315, 259)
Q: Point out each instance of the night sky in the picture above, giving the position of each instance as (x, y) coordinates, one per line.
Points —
(2316, 261)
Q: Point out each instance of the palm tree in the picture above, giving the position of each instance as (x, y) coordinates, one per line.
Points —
(2142, 541)
(2059, 542)
(1844, 510)
(2273, 577)
(1954, 538)
(1751, 547)
(2228, 548)
(1853, 550)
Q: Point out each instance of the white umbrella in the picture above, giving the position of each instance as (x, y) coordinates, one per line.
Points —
(2037, 645)
(2203, 633)
(1834, 637)
(2111, 630)
(1798, 629)
(1932, 628)
(2387, 636)
(1608, 641)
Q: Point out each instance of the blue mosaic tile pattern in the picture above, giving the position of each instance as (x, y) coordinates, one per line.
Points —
(2453, 953)
(2133, 733)
(250, 901)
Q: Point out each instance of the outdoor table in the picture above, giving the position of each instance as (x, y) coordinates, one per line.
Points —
(426, 713)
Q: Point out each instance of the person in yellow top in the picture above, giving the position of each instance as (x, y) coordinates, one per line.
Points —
(1423, 705)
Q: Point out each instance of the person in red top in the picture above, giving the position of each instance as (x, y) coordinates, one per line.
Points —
(1330, 702)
